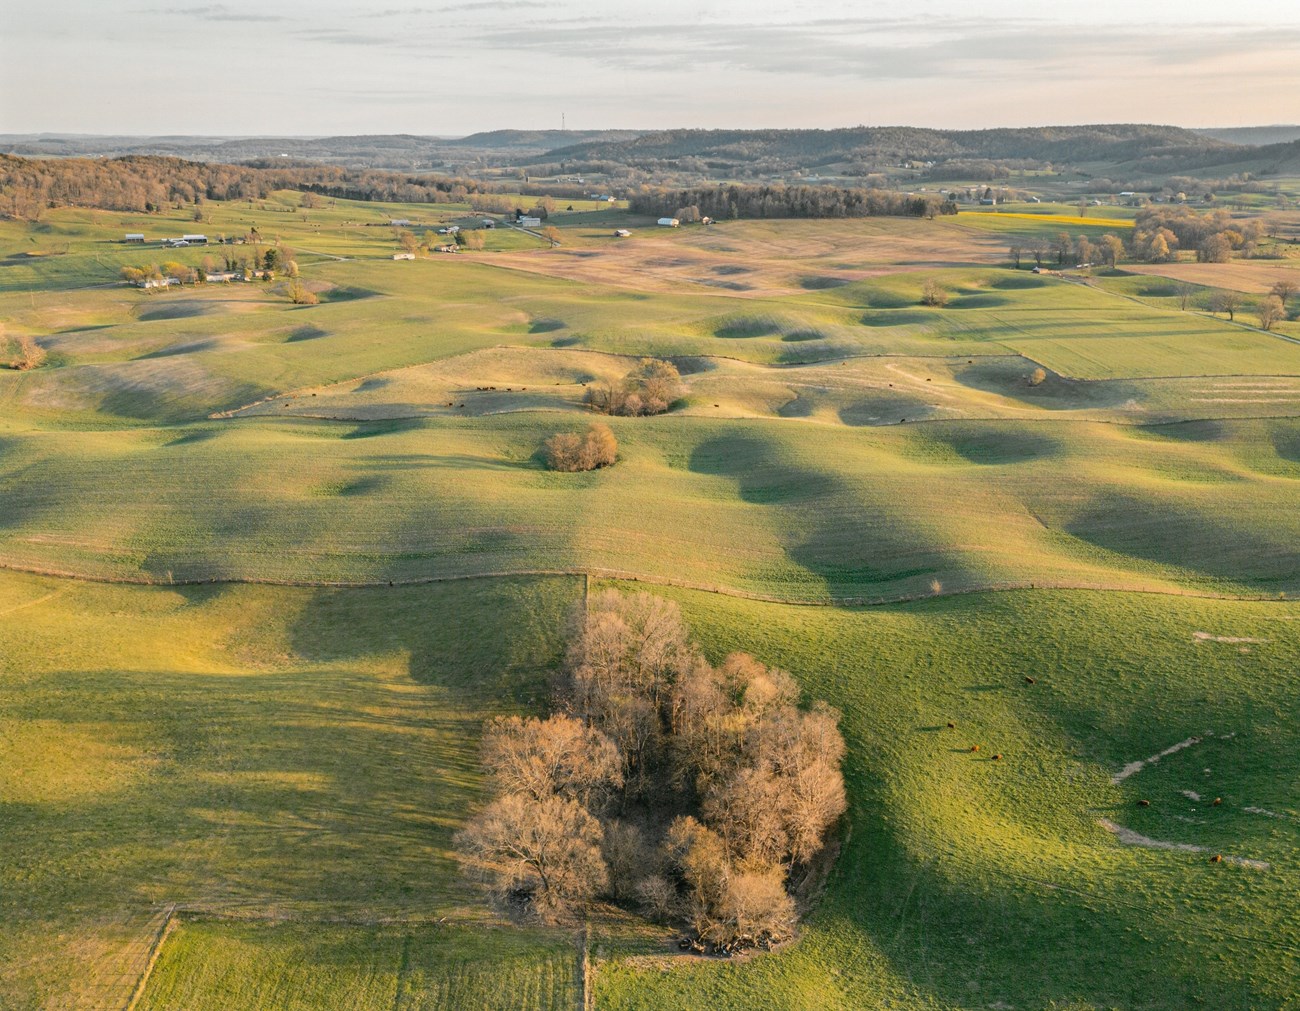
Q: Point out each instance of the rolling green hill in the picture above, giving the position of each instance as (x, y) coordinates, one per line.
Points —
(281, 561)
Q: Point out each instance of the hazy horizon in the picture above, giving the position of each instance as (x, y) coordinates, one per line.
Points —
(450, 69)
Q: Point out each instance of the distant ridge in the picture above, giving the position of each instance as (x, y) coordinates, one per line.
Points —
(1103, 142)
(1253, 136)
(544, 140)
(1134, 154)
(406, 152)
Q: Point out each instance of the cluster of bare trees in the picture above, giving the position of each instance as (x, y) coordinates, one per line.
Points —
(568, 451)
(1064, 249)
(1160, 232)
(699, 794)
(1270, 310)
(650, 388)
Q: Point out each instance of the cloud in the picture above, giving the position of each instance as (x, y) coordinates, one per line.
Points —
(496, 5)
(891, 49)
(220, 12)
(345, 37)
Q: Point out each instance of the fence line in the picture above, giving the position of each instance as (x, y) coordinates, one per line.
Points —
(1005, 586)
(154, 951)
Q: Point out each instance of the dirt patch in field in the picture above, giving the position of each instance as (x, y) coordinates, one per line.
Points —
(1130, 838)
(1207, 637)
(1138, 766)
(1253, 278)
(780, 258)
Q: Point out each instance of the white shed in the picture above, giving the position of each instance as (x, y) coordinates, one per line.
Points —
(669, 222)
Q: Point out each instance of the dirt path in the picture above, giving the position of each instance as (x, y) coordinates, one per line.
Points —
(1138, 766)
(1130, 838)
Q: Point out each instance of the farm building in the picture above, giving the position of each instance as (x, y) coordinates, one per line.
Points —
(134, 237)
(222, 275)
(400, 222)
(621, 233)
(669, 222)
(403, 256)
(156, 282)
(195, 240)
(526, 222)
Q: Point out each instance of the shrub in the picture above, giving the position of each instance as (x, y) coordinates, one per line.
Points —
(933, 294)
(27, 354)
(650, 388)
(569, 452)
(1038, 376)
(300, 294)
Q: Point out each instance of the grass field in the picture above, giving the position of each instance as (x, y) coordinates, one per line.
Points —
(967, 883)
(296, 967)
(241, 751)
(282, 767)
(309, 757)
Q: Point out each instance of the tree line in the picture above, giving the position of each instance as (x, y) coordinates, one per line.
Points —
(30, 186)
(1160, 232)
(700, 795)
(738, 201)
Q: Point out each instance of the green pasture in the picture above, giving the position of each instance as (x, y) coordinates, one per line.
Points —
(287, 766)
(283, 766)
(246, 752)
(219, 965)
(969, 883)
(772, 507)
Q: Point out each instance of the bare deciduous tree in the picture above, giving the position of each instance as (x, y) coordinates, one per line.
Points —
(1112, 248)
(1285, 290)
(541, 854)
(933, 294)
(1270, 312)
(556, 756)
(1225, 300)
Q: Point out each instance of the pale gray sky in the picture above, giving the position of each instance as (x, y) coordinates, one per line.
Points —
(453, 67)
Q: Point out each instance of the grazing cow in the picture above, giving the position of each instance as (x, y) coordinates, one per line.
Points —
(974, 747)
(1029, 680)
(951, 725)
(1217, 801)
(997, 757)
(1217, 858)
(1144, 803)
